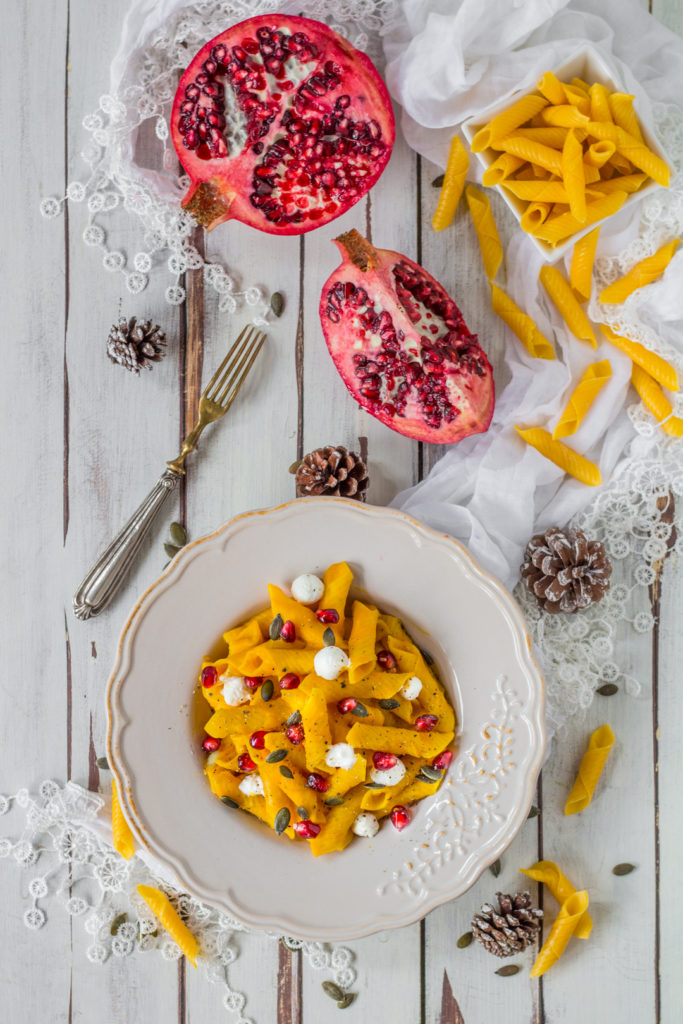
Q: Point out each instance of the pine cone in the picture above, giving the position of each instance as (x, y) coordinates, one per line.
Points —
(132, 344)
(332, 470)
(510, 928)
(565, 571)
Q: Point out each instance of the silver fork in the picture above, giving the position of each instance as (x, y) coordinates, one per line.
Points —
(108, 572)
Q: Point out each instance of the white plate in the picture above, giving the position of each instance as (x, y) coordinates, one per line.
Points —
(462, 616)
(588, 64)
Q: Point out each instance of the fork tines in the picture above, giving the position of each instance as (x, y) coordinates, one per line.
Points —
(230, 375)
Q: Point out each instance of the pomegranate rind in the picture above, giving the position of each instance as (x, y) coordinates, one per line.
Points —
(463, 372)
(222, 186)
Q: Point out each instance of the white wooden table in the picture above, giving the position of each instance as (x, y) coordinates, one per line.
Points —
(97, 440)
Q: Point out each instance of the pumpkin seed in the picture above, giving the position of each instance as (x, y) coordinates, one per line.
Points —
(277, 303)
(171, 550)
(102, 764)
(284, 770)
(281, 820)
(388, 704)
(534, 812)
(509, 969)
(333, 991)
(178, 534)
(329, 637)
(346, 1001)
(464, 940)
(438, 181)
(275, 627)
(334, 801)
(373, 785)
(295, 465)
(276, 755)
(608, 690)
(360, 710)
(267, 690)
(229, 802)
(429, 774)
(294, 718)
(117, 922)
(623, 869)
(303, 813)
(495, 868)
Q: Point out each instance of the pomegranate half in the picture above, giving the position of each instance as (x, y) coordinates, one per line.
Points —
(402, 347)
(281, 124)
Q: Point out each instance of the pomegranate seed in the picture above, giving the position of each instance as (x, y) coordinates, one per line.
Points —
(257, 740)
(253, 682)
(384, 761)
(318, 782)
(387, 661)
(288, 631)
(327, 615)
(400, 817)
(290, 681)
(210, 744)
(209, 676)
(295, 734)
(442, 761)
(245, 763)
(306, 829)
(425, 723)
(347, 704)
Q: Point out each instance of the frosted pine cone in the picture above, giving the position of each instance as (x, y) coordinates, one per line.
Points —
(132, 344)
(332, 470)
(510, 928)
(565, 571)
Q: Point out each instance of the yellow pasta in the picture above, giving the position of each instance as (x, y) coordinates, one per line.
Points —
(559, 290)
(599, 103)
(162, 908)
(362, 642)
(534, 216)
(520, 324)
(534, 152)
(487, 232)
(573, 176)
(634, 150)
(453, 184)
(547, 135)
(502, 168)
(623, 114)
(538, 191)
(657, 367)
(656, 402)
(644, 273)
(583, 257)
(598, 153)
(625, 183)
(582, 397)
(547, 872)
(577, 95)
(590, 769)
(564, 926)
(563, 457)
(506, 122)
(565, 116)
(555, 229)
(122, 835)
(551, 88)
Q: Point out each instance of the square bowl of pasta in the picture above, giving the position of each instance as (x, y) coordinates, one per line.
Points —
(570, 153)
(325, 719)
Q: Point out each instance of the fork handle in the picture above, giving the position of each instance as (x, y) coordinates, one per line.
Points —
(108, 572)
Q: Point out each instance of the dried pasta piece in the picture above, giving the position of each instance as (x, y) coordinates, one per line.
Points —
(520, 324)
(547, 135)
(582, 397)
(564, 457)
(453, 184)
(581, 270)
(505, 122)
(564, 926)
(573, 176)
(487, 232)
(565, 116)
(551, 88)
(559, 290)
(662, 371)
(656, 402)
(122, 835)
(625, 183)
(162, 908)
(534, 152)
(538, 191)
(599, 103)
(631, 148)
(623, 114)
(555, 229)
(534, 216)
(577, 95)
(644, 273)
(547, 872)
(598, 153)
(590, 769)
(501, 168)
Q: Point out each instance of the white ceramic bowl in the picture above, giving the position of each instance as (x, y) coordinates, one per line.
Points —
(588, 64)
(462, 616)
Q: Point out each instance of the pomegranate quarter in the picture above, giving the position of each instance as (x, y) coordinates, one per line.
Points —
(402, 347)
(281, 124)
